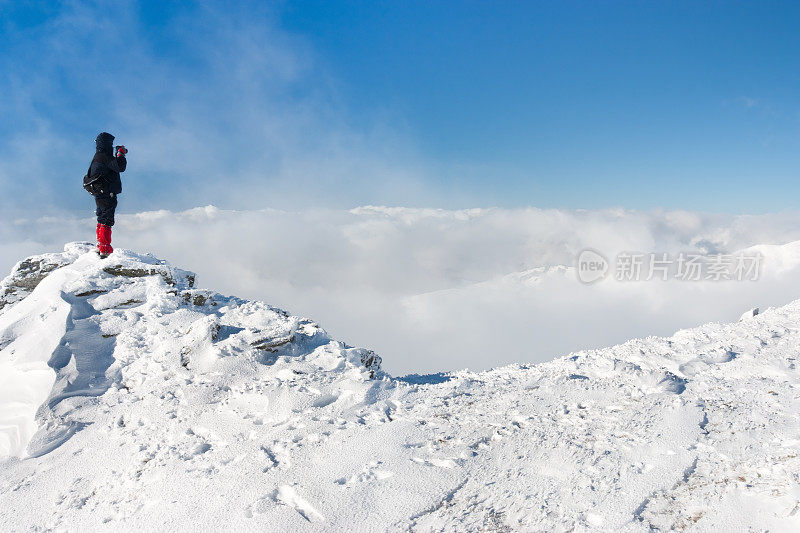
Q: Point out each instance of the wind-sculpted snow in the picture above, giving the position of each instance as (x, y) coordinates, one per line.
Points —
(140, 402)
(76, 335)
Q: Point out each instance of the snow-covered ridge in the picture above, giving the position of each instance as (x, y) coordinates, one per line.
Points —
(72, 324)
(158, 405)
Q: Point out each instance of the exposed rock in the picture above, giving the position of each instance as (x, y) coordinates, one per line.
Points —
(27, 275)
(174, 277)
(371, 360)
(198, 297)
(271, 344)
(91, 292)
(119, 270)
(749, 314)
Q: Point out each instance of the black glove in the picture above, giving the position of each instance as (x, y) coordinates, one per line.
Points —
(120, 151)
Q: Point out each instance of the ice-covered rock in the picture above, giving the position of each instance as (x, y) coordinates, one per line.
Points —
(749, 314)
(28, 273)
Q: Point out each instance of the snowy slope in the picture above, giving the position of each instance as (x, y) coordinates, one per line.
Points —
(130, 400)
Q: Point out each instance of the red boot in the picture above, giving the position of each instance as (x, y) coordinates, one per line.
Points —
(104, 241)
(98, 237)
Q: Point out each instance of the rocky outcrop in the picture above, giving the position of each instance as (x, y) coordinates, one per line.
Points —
(27, 274)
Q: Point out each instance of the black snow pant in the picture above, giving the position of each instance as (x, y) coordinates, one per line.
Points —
(106, 205)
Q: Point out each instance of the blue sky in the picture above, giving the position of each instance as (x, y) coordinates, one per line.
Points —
(680, 105)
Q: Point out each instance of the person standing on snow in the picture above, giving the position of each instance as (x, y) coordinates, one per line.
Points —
(103, 182)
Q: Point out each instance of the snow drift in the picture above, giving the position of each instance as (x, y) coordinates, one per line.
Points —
(131, 399)
(80, 321)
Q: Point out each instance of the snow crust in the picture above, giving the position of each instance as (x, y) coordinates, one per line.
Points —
(132, 400)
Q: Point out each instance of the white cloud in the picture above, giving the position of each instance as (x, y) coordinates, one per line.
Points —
(437, 290)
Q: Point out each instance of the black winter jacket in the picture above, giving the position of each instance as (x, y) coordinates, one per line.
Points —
(106, 168)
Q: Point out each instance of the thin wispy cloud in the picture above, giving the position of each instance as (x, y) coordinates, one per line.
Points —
(219, 105)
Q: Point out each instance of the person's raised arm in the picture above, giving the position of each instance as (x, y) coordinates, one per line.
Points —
(119, 160)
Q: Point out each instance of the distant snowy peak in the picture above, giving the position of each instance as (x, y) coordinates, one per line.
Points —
(534, 276)
(72, 326)
(778, 258)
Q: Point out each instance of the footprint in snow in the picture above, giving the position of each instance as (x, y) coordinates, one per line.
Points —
(331, 397)
(433, 461)
(278, 453)
(191, 450)
(260, 506)
(370, 473)
(288, 496)
(325, 400)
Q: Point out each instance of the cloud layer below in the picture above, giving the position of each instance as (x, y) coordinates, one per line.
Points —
(434, 290)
